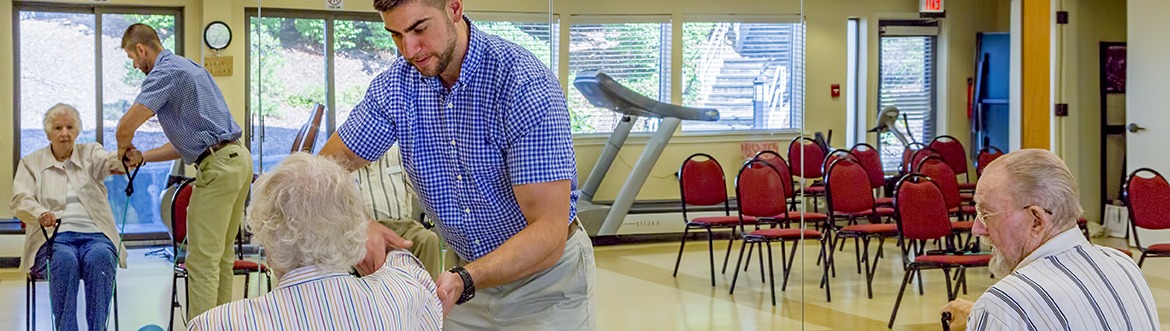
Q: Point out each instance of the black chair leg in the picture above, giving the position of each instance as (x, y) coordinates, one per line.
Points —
(771, 272)
(951, 292)
(857, 253)
(921, 291)
(117, 324)
(749, 257)
(680, 251)
(898, 302)
(868, 275)
(1142, 260)
(735, 275)
(174, 301)
(825, 276)
(760, 254)
(727, 257)
(711, 253)
(788, 266)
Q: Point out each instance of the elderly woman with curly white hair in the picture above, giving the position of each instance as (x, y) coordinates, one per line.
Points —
(61, 186)
(308, 215)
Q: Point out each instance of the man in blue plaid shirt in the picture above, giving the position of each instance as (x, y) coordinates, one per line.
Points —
(484, 134)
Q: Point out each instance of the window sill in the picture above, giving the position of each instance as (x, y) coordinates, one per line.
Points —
(701, 137)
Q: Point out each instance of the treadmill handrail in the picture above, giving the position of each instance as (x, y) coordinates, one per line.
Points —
(602, 91)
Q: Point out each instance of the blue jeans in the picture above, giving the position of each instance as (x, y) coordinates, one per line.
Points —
(75, 257)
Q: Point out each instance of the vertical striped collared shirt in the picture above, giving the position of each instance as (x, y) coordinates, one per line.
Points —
(384, 188)
(400, 296)
(1069, 284)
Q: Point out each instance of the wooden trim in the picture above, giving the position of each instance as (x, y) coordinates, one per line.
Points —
(1035, 74)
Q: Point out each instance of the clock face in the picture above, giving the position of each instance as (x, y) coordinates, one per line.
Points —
(217, 35)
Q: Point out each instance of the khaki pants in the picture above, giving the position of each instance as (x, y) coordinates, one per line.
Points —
(213, 220)
(426, 243)
(559, 298)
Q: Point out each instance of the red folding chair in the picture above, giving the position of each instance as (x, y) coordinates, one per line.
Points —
(952, 151)
(805, 159)
(759, 189)
(849, 197)
(940, 173)
(1148, 200)
(922, 216)
(701, 183)
(871, 160)
(774, 159)
(985, 156)
(908, 160)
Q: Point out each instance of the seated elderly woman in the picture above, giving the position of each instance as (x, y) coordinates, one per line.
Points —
(64, 183)
(308, 215)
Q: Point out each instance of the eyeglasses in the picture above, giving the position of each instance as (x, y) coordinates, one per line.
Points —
(982, 217)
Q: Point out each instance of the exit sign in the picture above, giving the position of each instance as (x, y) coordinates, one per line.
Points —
(931, 8)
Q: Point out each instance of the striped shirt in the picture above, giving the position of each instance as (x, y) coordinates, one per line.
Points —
(503, 123)
(384, 188)
(189, 106)
(400, 296)
(1068, 284)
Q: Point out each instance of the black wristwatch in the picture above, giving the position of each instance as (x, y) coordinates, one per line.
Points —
(468, 285)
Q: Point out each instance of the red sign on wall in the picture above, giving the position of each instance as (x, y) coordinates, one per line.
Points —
(930, 6)
(750, 148)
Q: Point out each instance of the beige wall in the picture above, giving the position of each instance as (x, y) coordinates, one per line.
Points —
(1090, 22)
(825, 65)
(7, 104)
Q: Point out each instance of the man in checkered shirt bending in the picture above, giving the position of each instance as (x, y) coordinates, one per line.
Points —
(484, 135)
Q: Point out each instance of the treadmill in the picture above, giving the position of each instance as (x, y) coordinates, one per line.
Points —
(602, 91)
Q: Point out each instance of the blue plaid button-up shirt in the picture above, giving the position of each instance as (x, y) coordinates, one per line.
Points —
(189, 106)
(503, 123)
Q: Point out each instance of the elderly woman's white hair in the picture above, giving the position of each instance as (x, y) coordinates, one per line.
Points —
(1039, 177)
(62, 109)
(308, 212)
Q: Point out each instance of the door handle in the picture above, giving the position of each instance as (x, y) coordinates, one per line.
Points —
(1133, 128)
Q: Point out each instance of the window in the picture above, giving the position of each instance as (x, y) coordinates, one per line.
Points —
(72, 54)
(748, 71)
(357, 60)
(287, 80)
(906, 81)
(531, 31)
(633, 51)
(299, 59)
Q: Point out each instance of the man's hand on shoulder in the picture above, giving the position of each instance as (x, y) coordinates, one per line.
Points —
(379, 240)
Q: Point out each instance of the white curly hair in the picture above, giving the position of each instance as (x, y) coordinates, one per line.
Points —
(59, 110)
(308, 212)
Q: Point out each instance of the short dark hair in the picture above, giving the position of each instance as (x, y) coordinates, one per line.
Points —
(143, 34)
(385, 5)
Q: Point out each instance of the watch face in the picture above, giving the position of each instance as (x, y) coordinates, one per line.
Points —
(217, 35)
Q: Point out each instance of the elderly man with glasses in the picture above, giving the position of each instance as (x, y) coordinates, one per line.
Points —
(1053, 278)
